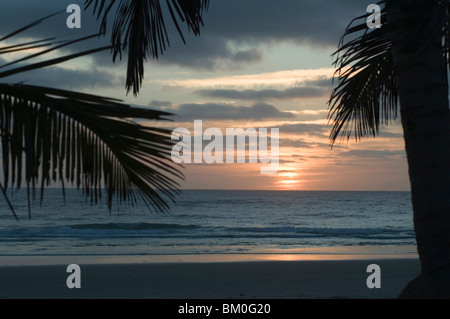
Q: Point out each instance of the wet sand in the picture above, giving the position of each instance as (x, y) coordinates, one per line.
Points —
(258, 279)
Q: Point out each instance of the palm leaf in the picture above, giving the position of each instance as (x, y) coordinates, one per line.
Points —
(29, 26)
(140, 28)
(49, 135)
(85, 140)
(446, 42)
(366, 94)
(47, 63)
(53, 45)
(28, 45)
(42, 43)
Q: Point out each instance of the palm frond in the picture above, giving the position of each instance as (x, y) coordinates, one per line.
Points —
(366, 95)
(140, 28)
(47, 63)
(8, 201)
(51, 44)
(54, 45)
(50, 135)
(446, 42)
(29, 45)
(29, 26)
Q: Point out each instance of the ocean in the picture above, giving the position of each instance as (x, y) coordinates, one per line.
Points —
(212, 222)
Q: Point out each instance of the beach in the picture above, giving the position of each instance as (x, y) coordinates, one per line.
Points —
(188, 278)
(214, 245)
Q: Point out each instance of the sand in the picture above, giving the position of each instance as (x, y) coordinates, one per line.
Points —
(256, 279)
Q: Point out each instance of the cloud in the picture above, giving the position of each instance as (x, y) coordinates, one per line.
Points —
(16, 14)
(212, 111)
(284, 78)
(316, 22)
(287, 94)
(159, 104)
(67, 78)
(373, 154)
(235, 32)
(300, 143)
(209, 53)
(304, 128)
(390, 134)
(314, 112)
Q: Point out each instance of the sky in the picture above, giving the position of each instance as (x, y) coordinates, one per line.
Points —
(257, 64)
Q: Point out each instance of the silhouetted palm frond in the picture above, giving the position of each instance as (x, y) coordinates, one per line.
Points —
(140, 27)
(87, 140)
(92, 142)
(366, 95)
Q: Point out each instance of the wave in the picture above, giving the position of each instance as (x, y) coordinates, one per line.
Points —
(325, 230)
(133, 226)
(197, 232)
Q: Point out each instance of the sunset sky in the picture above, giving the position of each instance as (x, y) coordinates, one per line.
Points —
(257, 63)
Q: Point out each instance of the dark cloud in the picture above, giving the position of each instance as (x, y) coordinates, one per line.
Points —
(159, 104)
(209, 53)
(66, 78)
(390, 134)
(311, 129)
(315, 22)
(287, 94)
(234, 31)
(299, 142)
(323, 82)
(16, 14)
(255, 23)
(373, 154)
(211, 111)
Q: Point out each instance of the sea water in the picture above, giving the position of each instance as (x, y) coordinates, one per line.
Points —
(212, 222)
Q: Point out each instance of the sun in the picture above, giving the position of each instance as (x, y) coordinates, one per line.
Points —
(288, 178)
(290, 184)
(288, 174)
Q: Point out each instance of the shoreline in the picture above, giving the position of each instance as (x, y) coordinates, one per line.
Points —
(53, 260)
(188, 279)
(299, 254)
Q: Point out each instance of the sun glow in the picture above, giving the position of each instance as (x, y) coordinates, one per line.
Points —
(289, 174)
(290, 185)
(290, 182)
(280, 78)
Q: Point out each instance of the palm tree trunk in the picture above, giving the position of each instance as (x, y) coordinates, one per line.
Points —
(420, 66)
